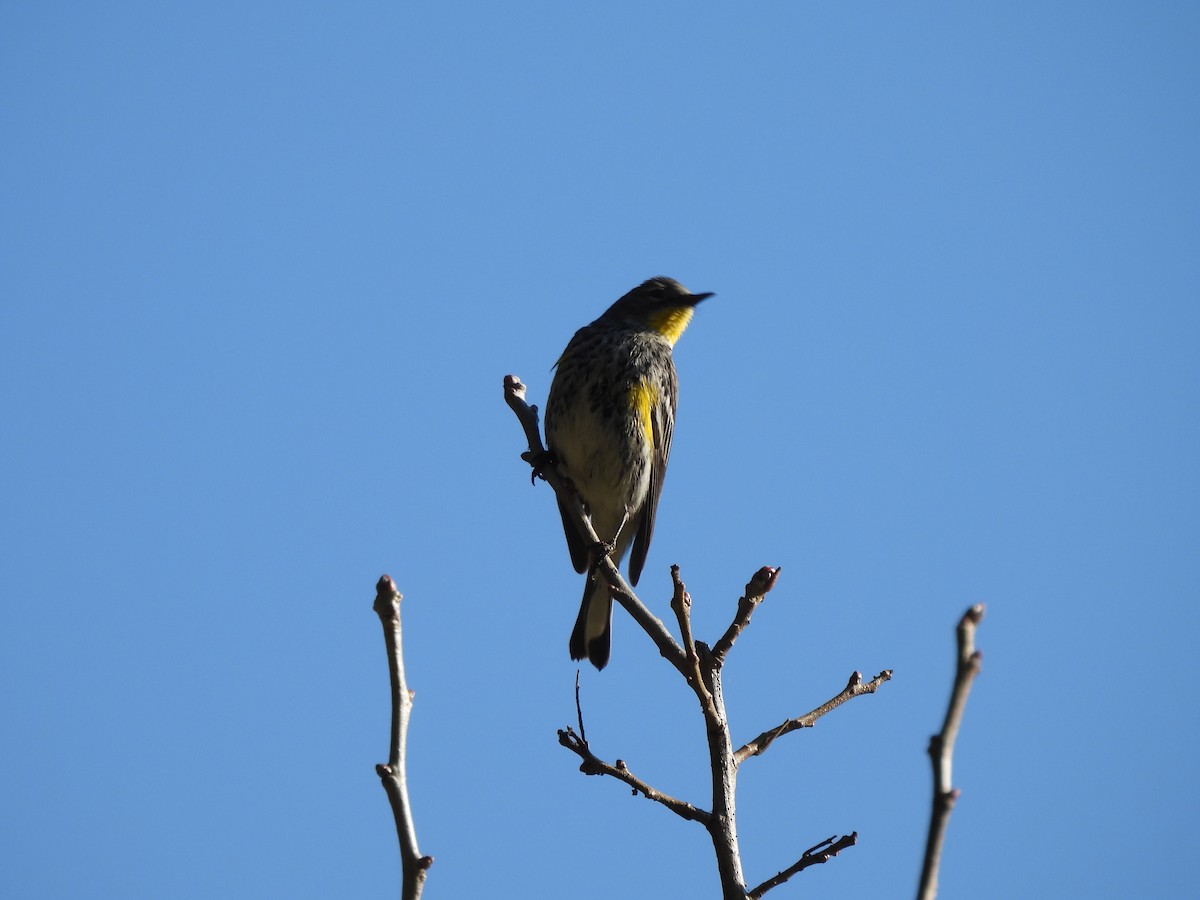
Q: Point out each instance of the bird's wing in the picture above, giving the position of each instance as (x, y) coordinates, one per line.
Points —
(662, 419)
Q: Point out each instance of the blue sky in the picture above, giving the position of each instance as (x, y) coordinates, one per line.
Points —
(263, 267)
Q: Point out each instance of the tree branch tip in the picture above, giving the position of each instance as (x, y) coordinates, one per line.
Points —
(676, 578)
(383, 770)
(424, 862)
(941, 748)
(830, 847)
(386, 590)
(514, 385)
(815, 847)
(856, 681)
(815, 855)
(762, 581)
(681, 603)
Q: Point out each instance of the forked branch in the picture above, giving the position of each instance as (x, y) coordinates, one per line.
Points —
(593, 765)
(854, 688)
(813, 856)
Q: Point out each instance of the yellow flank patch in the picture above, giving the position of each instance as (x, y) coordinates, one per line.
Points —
(671, 322)
(642, 397)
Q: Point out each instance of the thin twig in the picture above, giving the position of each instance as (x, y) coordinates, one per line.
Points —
(514, 396)
(681, 605)
(941, 749)
(579, 710)
(593, 765)
(757, 588)
(813, 856)
(393, 774)
(855, 687)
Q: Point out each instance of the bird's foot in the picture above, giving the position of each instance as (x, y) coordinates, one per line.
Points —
(540, 461)
(601, 549)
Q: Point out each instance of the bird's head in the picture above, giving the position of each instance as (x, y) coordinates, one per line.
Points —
(660, 304)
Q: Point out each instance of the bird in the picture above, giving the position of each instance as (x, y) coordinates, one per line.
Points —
(610, 415)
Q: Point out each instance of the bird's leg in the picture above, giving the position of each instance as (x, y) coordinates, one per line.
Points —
(602, 547)
(621, 527)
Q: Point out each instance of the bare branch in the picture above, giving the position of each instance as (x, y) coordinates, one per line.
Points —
(813, 856)
(593, 765)
(681, 605)
(757, 588)
(854, 688)
(579, 710)
(941, 749)
(393, 774)
(514, 396)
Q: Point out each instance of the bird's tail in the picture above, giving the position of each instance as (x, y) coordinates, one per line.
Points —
(591, 638)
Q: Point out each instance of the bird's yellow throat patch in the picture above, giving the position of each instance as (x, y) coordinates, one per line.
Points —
(642, 398)
(671, 322)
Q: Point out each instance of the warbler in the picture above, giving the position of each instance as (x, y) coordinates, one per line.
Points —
(609, 420)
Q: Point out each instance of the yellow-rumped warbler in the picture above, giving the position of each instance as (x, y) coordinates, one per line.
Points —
(609, 419)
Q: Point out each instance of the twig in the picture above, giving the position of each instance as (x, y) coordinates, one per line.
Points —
(854, 688)
(681, 605)
(757, 588)
(941, 749)
(393, 774)
(514, 396)
(579, 710)
(813, 856)
(593, 765)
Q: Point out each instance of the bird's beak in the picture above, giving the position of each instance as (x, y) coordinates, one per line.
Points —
(696, 298)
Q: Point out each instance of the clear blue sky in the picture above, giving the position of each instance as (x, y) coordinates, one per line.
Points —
(263, 267)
